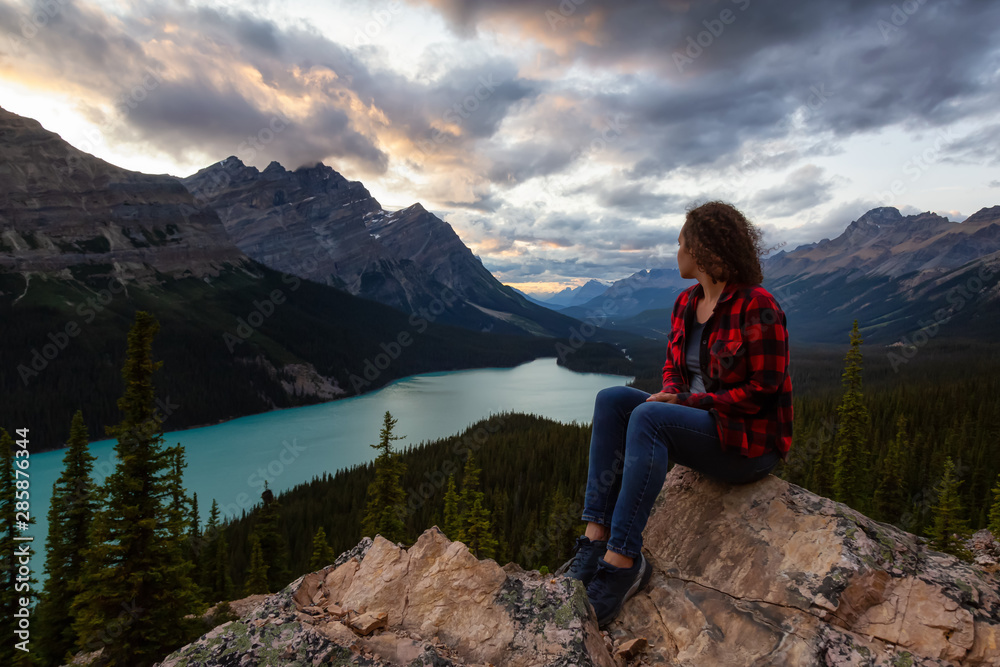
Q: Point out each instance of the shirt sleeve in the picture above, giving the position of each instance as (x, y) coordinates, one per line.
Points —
(766, 338)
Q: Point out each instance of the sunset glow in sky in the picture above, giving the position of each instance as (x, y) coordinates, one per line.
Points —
(562, 140)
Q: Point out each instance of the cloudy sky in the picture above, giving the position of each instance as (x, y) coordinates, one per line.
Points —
(562, 140)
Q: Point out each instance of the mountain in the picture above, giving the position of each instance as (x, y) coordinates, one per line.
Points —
(882, 242)
(63, 212)
(577, 296)
(85, 244)
(314, 223)
(643, 290)
(537, 302)
(904, 278)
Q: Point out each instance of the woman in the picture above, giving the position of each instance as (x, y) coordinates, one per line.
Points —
(725, 408)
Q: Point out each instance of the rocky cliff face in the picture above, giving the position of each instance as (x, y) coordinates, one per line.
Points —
(413, 234)
(765, 574)
(62, 208)
(306, 222)
(314, 223)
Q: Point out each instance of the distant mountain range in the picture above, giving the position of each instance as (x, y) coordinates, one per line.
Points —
(576, 296)
(883, 242)
(904, 278)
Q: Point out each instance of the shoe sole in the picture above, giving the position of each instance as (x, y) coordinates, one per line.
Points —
(646, 572)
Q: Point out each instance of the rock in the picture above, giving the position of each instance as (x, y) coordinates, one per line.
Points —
(985, 550)
(356, 552)
(335, 610)
(244, 606)
(769, 573)
(368, 622)
(762, 574)
(438, 604)
(632, 648)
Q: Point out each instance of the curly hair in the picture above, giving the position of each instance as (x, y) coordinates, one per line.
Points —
(724, 244)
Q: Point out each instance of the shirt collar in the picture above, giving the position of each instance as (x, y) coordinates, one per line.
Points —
(727, 291)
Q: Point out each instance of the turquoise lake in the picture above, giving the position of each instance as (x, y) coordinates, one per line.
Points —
(229, 462)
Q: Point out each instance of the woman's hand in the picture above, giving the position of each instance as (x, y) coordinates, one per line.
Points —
(663, 397)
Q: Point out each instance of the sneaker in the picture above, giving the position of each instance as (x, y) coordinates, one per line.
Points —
(583, 564)
(611, 586)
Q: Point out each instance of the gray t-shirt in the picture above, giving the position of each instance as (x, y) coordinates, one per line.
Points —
(693, 355)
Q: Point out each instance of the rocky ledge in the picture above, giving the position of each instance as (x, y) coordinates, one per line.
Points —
(765, 574)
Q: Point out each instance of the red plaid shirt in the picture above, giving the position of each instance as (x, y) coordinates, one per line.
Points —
(744, 364)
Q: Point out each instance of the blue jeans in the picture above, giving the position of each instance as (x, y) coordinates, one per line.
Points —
(631, 443)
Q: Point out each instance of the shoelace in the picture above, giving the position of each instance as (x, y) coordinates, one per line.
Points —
(599, 584)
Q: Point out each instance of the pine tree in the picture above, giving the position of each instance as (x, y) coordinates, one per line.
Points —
(949, 530)
(15, 585)
(222, 583)
(889, 501)
(475, 523)
(821, 471)
(554, 540)
(852, 434)
(71, 512)
(322, 554)
(273, 547)
(386, 499)
(478, 532)
(994, 524)
(208, 555)
(194, 536)
(179, 517)
(257, 574)
(136, 579)
(452, 517)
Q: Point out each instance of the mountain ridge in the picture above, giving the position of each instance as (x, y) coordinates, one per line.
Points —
(900, 276)
(408, 258)
(64, 208)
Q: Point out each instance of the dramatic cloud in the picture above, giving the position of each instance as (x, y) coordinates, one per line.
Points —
(979, 148)
(803, 189)
(563, 141)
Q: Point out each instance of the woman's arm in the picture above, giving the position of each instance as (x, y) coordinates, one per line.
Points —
(673, 381)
